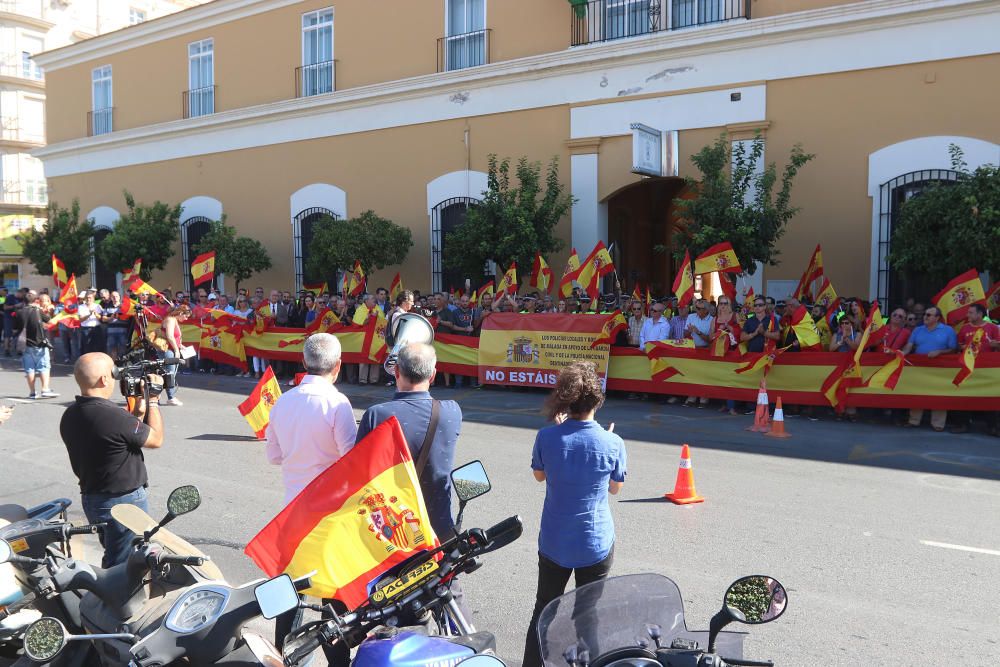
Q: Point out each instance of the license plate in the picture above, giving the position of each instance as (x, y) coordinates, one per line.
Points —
(404, 583)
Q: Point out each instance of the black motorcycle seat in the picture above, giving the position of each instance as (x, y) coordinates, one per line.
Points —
(12, 513)
(477, 641)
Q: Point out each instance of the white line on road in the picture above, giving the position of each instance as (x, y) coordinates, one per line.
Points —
(960, 547)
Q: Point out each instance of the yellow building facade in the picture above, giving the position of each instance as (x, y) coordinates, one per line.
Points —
(274, 112)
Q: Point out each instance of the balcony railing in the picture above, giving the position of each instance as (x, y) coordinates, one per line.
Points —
(100, 121)
(316, 79)
(469, 49)
(198, 102)
(603, 20)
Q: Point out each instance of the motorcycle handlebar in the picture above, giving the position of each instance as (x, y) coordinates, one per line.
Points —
(736, 662)
(503, 534)
(15, 607)
(89, 529)
(165, 558)
(312, 640)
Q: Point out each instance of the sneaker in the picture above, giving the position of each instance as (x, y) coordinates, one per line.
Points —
(48, 393)
(174, 401)
(32, 396)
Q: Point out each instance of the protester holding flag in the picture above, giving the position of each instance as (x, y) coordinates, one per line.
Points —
(580, 463)
(988, 342)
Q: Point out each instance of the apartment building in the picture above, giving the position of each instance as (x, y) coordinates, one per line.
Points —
(276, 112)
(27, 28)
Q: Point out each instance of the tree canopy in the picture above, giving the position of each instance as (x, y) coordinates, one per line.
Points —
(149, 232)
(374, 241)
(239, 257)
(64, 235)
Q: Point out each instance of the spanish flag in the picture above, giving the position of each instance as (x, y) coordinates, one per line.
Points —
(541, 274)
(321, 287)
(956, 297)
(509, 282)
(485, 289)
(660, 354)
(69, 296)
(374, 346)
(762, 361)
(597, 265)
(128, 274)
(684, 282)
(968, 359)
(357, 282)
(615, 323)
(257, 408)
(395, 289)
(359, 518)
(720, 343)
(127, 309)
(637, 293)
(721, 257)
(993, 301)
(887, 376)
(803, 292)
(805, 329)
(566, 282)
(58, 271)
(826, 294)
(66, 317)
(203, 268)
(649, 301)
(139, 286)
(223, 346)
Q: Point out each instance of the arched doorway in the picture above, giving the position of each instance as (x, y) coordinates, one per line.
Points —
(303, 229)
(102, 275)
(641, 223)
(446, 217)
(894, 287)
(193, 230)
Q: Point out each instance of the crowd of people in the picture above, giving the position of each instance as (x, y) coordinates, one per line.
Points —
(913, 328)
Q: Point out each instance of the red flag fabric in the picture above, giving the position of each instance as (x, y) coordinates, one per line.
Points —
(721, 257)
(993, 301)
(956, 297)
(70, 297)
(569, 274)
(541, 274)
(615, 323)
(58, 271)
(684, 281)
(803, 292)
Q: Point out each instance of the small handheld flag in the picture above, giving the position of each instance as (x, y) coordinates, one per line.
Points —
(203, 268)
(257, 408)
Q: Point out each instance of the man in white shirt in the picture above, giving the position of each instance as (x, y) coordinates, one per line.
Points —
(699, 324)
(313, 425)
(655, 327)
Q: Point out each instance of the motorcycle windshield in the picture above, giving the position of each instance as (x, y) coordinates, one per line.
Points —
(609, 614)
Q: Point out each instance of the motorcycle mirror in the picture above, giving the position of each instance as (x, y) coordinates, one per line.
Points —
(470, 481)
(44, 639)
(5, 551)
(756, 599)
(263, 650)
(182, 500)
(482, 661)
(276, 596)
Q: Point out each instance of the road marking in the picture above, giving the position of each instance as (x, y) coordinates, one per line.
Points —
(960, 547)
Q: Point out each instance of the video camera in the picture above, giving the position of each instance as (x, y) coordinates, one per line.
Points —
(133, 366)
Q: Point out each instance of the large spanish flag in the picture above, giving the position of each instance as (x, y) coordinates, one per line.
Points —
(616, 322)
(541, 274)
(803, 292)
(508, 284)
(356, 520)
(597, 265)
(223, 346)
(69, 297)
(721, 257)
(805, 329)
(357, 281)
(569, 274)
(203, 268)
(956, 297)
(58, 271)
(257, 408)
(140, 286)
(684, 282)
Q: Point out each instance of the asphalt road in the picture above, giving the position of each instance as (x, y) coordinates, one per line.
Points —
(887, 540)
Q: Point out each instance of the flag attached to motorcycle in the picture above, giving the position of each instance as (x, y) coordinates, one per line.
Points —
(257, 408)
(359, 518)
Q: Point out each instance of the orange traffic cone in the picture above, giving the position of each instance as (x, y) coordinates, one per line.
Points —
(778, 425)
(684, 491)
(762, 418)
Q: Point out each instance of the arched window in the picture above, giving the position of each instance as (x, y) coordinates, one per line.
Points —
(895, 286)
(302, 231)
(193, 230)
(102, 275)
(446, 217)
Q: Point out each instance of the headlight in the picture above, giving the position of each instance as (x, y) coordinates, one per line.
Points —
(200, 607)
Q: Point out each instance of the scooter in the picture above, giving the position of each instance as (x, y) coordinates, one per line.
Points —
(167, 602)
(638, 621)
(422, 587)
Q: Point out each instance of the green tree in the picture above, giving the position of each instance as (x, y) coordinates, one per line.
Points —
(64, 235)
(951, 227)
(148, 232)
(513, 222)
(734, 200)
(374, 241)
(239, 257)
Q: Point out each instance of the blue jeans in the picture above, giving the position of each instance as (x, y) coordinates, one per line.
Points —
(117, 339)
(117, 539)
(172, 371)
(70, 342)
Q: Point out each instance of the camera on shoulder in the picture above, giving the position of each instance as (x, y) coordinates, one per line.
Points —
(135, 366)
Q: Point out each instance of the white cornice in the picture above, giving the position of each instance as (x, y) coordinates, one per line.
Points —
(24, 19)
(831, 21)
(179, 23)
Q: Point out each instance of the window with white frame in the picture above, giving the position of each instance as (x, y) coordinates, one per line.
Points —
(31, 125)
(136, 16)
(624, 18)
(201, 78)
(33, 177)
(316, 76)
(31, 45)
(465, 40)
(102, 103)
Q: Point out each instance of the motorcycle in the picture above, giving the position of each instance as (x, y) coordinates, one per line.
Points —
(166, 603)
(638, 621)
(420, 586)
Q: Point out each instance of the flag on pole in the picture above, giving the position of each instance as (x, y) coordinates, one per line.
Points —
(805, 329)
(139, 286)
(887, 376)
(649, 301)
(826, 294)
(968, 359)
(357, 283)
(509, 282)
(257, 408)
(485, 289)
(993, 301)
(956, 297)
(128, 274)
(58, 271)
(541, 274)
(615, 323)
(69, 296)
(127, 308)
(803, 292)
(636, 294)
(684, 282)
(721, 257)
(367, 508)
(395, 288)
(566, 282)
(317, 288)
(203, 268)
(597, 265)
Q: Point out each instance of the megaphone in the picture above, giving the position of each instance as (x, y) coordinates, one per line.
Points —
(406, 329)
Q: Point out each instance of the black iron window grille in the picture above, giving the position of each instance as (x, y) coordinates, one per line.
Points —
(302, 235)
(604, 20)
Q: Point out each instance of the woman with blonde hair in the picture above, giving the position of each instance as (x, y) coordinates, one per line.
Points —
(580, 463)
(170, 329)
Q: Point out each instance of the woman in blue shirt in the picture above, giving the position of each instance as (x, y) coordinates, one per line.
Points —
(580, 463)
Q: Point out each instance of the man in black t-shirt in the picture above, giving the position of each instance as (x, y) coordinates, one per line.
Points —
(105, 444)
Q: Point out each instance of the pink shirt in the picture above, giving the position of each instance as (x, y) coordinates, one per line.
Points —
(310, 428)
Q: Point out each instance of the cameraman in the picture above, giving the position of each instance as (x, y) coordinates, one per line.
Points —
(105, 445)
